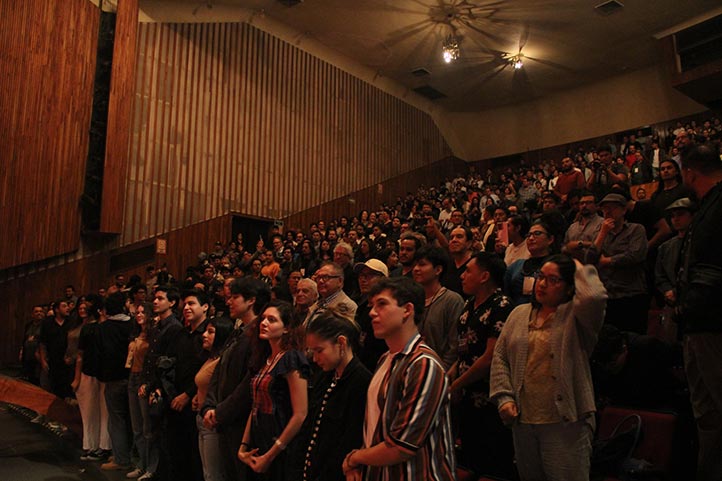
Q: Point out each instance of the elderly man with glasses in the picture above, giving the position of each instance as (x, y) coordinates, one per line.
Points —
(329, 279)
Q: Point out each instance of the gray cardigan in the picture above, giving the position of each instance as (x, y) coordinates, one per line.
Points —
(573, 337)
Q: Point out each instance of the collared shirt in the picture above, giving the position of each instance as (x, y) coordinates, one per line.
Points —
(414, 402)
(584, 232)
(628, 252)
(476, 326)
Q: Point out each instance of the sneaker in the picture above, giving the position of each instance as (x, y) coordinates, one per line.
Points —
(113, 466)
(147, 477)
(97, 455)
(39, 419)
(137, 472)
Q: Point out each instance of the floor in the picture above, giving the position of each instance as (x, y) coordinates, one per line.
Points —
(42, 452)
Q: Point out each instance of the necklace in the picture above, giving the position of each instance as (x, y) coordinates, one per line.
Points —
(317, 426)
(270, 361)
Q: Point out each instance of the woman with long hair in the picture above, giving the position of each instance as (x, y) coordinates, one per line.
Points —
(279, 390)
(306, 261)
(365, 250)
(88, 390)
(540, 376)
(215, 336)
(140, 418)
(334, 425)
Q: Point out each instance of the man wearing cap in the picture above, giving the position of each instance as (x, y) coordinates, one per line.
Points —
(622, 248)
(371, 348)
(680, 213)
(699, 305)
(330, 293)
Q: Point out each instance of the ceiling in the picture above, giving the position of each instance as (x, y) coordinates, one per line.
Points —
(564, 43)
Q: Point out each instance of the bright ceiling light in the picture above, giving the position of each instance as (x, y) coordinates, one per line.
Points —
(450, 49)
(517, 62)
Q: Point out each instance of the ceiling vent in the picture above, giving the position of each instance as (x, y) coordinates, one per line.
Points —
(608, 8)
(290, 3)
(420, 72)
(429, 92)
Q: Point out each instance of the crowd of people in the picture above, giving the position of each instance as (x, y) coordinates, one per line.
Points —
(484, 320)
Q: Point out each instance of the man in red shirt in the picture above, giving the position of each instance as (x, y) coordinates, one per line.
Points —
(569, 178)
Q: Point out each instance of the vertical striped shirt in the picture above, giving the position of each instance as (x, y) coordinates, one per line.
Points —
(414, 403)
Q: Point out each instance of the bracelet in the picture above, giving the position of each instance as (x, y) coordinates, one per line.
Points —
(280, 445)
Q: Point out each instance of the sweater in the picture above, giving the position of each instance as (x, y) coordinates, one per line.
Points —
(574, 334)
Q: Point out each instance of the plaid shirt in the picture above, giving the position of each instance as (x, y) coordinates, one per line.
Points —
(414, 403)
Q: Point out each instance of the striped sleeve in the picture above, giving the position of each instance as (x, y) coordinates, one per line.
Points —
(423, 394)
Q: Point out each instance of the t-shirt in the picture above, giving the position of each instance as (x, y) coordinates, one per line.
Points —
(373, 410)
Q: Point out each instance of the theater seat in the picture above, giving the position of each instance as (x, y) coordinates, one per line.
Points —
(655, 445)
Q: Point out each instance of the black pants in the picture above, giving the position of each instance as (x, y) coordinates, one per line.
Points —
(183, 457)
(486, 444)
(628, 313)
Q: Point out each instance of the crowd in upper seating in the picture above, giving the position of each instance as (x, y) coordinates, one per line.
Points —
(496, 288)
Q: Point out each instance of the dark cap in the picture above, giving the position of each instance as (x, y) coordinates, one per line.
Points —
(615, 198)
(683, 203)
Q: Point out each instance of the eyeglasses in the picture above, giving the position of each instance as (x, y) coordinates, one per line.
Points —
(536, 233)
(325, 278)
(551, 280)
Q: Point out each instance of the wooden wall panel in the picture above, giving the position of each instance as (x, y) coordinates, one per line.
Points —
(92, 272)
(229, 118)
(371, 198)
(122, 86)
(47, 63)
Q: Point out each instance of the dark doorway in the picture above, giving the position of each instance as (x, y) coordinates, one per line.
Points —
(253, 229)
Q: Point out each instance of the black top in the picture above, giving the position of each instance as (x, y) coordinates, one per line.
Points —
(191, 357)
(162, 342)
(339, 424)
(701, 274)
(451, 278)
(114, 335)
(89, 344)
(229, 391)
(55, 339)
(370, 348)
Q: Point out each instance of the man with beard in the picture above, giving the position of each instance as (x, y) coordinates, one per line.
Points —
(570, 178)
(699, 306)
(583, 232)
(670, 187)
(53, 343)
(409, 244)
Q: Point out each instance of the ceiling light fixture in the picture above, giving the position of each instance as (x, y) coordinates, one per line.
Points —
(450, 48)
(517, 62)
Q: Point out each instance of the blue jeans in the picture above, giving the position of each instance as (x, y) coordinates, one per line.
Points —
(210, 449)
(116, 398)
(142, 424)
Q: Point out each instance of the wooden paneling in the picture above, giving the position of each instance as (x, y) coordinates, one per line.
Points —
(372, 197)
(230, 118)
(92, 272)
(47, 62)
(122, 87)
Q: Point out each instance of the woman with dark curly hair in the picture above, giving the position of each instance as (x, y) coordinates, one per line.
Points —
(540, 376)
(279, 389)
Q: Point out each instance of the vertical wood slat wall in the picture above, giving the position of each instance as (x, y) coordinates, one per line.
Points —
(47, 64)
(229, 118)
(122, 86)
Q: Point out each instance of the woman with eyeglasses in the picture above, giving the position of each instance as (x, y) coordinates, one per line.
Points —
(334, 425)
(540, 376)
(519, 277)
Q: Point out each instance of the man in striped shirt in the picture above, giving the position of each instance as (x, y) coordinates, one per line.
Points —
(407, 429)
